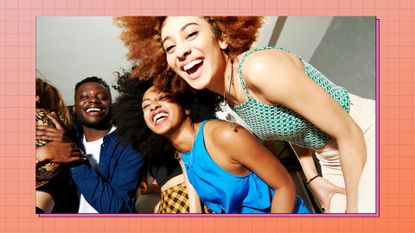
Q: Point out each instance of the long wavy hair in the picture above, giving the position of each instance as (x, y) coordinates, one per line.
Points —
(142, 37)
(51, 100)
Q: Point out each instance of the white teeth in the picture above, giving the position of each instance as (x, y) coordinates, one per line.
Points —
(159, 116)
(191, 64)
(93, 110)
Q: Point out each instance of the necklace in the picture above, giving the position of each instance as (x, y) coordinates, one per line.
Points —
(230, 77)
(224, 103)
(178, 154)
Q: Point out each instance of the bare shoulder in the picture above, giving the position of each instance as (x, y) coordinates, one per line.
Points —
(271, 75)
(224, 133)
(269, 65)
(264, 59)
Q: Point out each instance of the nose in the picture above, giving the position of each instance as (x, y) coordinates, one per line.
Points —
(182, 50)
(154, 105)
(93, 99)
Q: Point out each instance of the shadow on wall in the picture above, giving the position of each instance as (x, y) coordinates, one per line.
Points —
(351, 40)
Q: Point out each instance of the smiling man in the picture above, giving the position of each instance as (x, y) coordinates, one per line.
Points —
(108, 179)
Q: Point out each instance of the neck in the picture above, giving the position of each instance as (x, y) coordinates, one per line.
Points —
(225, 84)
(183, 137)
(95, 134)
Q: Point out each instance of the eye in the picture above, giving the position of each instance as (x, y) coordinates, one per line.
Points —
(170, 49)
(168, 46)
(83, 97)
(145, 105)
(192, 35)
(103, 97)
(165, 97)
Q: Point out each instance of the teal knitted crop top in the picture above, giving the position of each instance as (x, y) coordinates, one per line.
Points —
(280, 123)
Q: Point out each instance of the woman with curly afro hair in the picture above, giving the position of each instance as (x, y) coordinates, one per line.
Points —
(279, 95)
(229, 169)
(159, 154)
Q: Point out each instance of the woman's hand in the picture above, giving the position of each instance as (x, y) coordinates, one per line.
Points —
(277, 77)
(324, 191)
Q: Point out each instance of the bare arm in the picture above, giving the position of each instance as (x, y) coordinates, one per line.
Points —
(243, 148)
(58, 149)
(194, 199)
(279, 80)
(59, 152)
(322, 188)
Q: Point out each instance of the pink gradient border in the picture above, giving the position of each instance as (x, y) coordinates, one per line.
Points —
(377, 156)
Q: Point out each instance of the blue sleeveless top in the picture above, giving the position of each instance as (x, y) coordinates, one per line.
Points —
(224, 192)
(276, 122)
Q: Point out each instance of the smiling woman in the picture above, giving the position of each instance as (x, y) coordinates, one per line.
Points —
(214, 152)
(278, 94)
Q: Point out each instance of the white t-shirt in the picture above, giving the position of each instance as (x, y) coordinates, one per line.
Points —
(92, 151)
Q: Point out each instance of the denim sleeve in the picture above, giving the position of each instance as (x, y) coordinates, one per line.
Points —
(112, 191)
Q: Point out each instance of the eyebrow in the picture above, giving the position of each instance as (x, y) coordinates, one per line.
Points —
(146, 99)
(181, 29)
(149, 99)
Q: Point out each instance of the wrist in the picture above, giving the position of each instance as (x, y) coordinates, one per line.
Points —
(40, 155)
(309, 180)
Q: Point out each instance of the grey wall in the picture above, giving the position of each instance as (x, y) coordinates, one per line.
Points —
(346, 54)
(69, 49)
(302, 34)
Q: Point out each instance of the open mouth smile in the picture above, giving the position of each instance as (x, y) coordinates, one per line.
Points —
(192, 67)
(159, 117)
(94, 110)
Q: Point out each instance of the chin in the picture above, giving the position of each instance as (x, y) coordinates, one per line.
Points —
(101, 123)
(199, 85)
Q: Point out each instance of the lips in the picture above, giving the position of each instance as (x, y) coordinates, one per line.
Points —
(191, 65)
(94, 110)
(158, 117)
(193, 68)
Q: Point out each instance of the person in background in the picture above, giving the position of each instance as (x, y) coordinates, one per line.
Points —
(109, 176)
(52, 176)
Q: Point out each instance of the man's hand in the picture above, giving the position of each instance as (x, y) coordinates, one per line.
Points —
(59, 152)
(49, 133)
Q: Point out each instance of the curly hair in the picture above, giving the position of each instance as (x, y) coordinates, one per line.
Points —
(51, 100)
(142, 37)
(129, 117)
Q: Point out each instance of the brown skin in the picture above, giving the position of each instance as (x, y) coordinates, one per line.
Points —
(276, 77)
(233, 148)
(59, 152)
(56, 150)
(239, 152)
(95, 125)
(271, 77)
(50, 133)
(93, 95)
